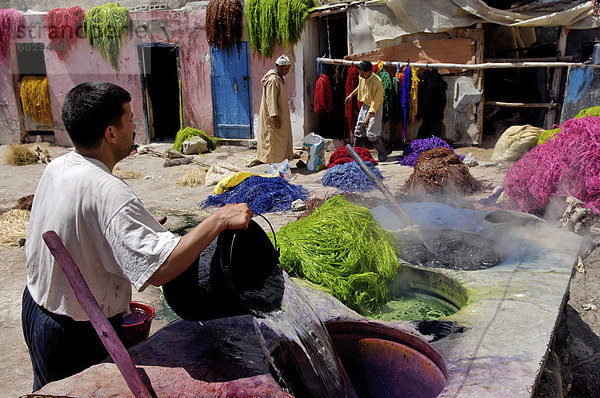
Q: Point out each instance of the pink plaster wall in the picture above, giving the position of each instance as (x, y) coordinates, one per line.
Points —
(259, 67)
(10, 132)
(186, 28)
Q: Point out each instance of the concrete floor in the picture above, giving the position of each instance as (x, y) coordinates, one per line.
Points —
(511, 309)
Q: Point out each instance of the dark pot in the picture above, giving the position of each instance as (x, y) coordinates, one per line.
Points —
(237, 274)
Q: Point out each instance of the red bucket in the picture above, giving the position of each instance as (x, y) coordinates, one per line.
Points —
(137, 323)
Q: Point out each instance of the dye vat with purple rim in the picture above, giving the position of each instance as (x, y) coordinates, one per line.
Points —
(385, 362)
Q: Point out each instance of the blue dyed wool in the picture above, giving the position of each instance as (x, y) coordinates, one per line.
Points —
(417, 147)
(262, 194)
(348, 177)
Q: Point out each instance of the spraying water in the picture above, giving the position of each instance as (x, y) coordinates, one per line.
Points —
(299, 350)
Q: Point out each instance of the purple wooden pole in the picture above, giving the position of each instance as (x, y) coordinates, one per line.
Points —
(89, 304)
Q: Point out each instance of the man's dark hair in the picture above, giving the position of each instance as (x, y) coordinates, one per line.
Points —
(365, 66)
(91, 107)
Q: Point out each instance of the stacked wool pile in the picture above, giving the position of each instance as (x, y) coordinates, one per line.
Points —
(342, 248)
(348, 177)
(189, 132)
(417, 147)
(262, 194)
(341, 156)
(440, 170)
(569, 165)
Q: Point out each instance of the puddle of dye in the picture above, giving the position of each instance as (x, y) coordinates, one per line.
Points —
(299, 350)
(413, 308)
(135, 316)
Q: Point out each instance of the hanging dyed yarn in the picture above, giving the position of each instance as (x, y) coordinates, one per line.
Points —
(189, 132)
(414, 92)
(104, 27)
(416, 147)
(341, 156)
(224, 23)
(432, 102)
(276, 19)
(323, 96)
(397, 81)
(342, 248)
(262, 194)
(11, 21)
(388, 94)
(569, 165)
(405, 94)
(348, 177)
(62, 25)
(351, 107)
(36, 98)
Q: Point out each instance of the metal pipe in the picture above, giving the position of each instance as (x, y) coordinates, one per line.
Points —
(393, 201)
(485, 65)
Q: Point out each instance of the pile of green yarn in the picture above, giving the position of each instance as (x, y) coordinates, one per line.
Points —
(549, 135)
(276, 19)
(342, 248)
(189, 132)
(104, 27)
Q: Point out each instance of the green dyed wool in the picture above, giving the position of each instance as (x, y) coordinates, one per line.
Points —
(104, 27)
(549, 135)
(342, 248)
(593, 111)
(276, 19)
(189, 132)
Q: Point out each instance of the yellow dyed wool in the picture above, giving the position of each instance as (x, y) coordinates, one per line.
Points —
(36, 98)
(414, 90)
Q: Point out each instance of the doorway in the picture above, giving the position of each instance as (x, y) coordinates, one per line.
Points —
(32, 71)
(326, 36)
(160, 76)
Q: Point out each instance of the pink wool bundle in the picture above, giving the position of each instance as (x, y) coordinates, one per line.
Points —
(567, 166)
(10, 21)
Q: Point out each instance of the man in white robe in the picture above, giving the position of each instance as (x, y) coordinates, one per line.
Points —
(274, 138)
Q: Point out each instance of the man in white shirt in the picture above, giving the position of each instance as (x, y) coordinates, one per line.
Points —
(111, 236)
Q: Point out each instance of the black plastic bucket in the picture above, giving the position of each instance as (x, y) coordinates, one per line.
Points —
(238, 273)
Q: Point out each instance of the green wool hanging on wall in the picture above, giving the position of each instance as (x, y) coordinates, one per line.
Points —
(104, 27)
(344, 249)
(224, 23)
(276, 19)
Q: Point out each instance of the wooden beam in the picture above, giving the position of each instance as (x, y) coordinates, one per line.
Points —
(550, 105)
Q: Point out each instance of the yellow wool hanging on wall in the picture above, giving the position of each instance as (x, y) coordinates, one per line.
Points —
(36, 98)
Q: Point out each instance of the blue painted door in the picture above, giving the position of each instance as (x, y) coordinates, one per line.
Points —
(230, 76)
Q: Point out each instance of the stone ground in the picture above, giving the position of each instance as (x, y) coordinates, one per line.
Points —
(574, 363)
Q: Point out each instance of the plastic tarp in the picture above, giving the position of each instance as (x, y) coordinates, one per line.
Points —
(391, 19)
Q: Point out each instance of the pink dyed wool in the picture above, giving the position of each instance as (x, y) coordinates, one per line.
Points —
(566, 166)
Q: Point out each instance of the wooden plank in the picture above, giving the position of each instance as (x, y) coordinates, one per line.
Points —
(552, 114)
(456, 51)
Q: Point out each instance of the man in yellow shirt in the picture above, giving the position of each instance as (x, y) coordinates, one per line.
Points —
(368, 125)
